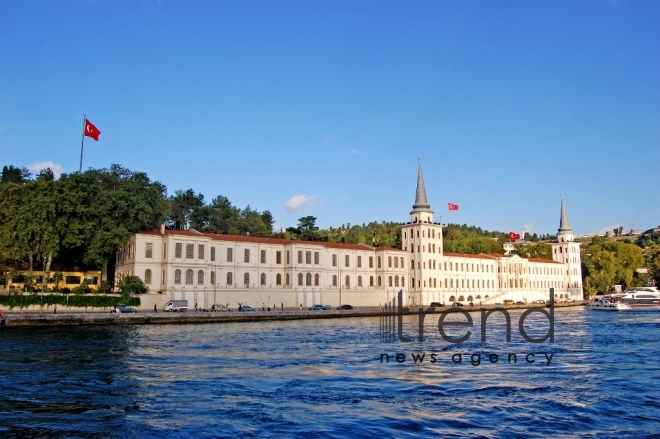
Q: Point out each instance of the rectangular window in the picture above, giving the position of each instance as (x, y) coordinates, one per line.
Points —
(200, 251)
(246, 257)
(190, 251)
(346, 261)
(396, 262)
(300, 256)
(178, 250)
(230, 255)
(308, 257)
(316, 258)
(278, 257)
(212, 254)
(149, 250)
(72, 280)
(402, 264)
(263, 256)
(288, 257)
(371, 262)
(389, 262)
(334, 260)
(359, 261)
(379, 262)
(164, 251)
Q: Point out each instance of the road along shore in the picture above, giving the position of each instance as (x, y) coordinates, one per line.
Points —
(76, 318)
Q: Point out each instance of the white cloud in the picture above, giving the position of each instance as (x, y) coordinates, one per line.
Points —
(297, 202)
(35, 168)
(528, 228)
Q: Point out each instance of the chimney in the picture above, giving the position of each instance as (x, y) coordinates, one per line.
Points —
(162, 229)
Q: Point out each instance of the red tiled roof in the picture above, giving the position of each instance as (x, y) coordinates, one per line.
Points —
(259, 240)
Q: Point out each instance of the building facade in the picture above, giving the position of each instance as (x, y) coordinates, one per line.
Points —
(208, 268)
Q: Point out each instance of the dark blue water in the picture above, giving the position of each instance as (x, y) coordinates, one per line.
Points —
(325, 379)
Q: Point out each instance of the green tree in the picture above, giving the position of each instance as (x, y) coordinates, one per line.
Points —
(182, 208)
(307, 229)
(607, 263)
(11, 174)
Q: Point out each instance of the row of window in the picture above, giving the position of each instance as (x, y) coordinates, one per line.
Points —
(393, 281)
(305, 280)
(303, 257)
(431, 234)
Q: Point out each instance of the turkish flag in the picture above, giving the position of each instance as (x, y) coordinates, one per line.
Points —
(91, 130)
(514, 236)
(452, 206)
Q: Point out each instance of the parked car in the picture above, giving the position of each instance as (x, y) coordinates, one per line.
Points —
(541, 301)
(437, 305)
(315, 307)
(345, 307)
(246, 308)
(218, 307)
(520, 302)
(123, 308)
(457, 304)
(509, 302)
(327, 307)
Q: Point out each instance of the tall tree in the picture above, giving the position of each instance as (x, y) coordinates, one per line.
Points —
(12, 174)
(307, 228)
(182, 207)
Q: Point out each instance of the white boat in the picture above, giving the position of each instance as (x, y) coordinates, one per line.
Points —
(641, 297)
(608, 305)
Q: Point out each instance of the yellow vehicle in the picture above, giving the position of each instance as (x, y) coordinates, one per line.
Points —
(509, 302)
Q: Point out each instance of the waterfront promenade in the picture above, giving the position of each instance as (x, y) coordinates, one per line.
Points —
(74, 317)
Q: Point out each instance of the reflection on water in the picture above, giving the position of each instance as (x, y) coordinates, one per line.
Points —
(325, 378)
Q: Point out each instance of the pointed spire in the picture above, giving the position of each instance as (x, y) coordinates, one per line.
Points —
(421, 203)
(564, 227)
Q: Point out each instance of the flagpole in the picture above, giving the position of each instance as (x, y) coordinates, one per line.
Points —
(82, 143)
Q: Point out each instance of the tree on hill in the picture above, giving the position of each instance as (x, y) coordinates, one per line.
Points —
(607, 263)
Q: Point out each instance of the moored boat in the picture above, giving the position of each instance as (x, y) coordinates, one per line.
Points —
(606, 304)
(640, 297)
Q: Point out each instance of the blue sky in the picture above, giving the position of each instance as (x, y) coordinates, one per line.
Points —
(322, 107)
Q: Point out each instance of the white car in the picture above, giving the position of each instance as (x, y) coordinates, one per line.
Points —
(541, 301)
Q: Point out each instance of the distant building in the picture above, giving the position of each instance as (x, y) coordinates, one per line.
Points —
(208, 268)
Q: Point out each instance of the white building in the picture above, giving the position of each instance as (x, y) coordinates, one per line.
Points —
(207, 268)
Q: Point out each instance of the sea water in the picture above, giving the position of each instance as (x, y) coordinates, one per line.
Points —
(331, 378)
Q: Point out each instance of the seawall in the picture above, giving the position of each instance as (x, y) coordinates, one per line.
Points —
(72, 318)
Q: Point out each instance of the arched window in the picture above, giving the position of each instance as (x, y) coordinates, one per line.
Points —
(317, 278)
(359, 281)
(380, 283)
(334, 280)
(300, 279)
(403, 280)
(189, 277)
(263, 278)
(177, 277)
(396, 281)
(371, 281)
(308, 279)
(390, 281)
(200, 277)
(348, 281)
(278, 279)
(287, 279)
(147, 276)
(461, 298)
(213, 278)
(230, 280)
(246, 280)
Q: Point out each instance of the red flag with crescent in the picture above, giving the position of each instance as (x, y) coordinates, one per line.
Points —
(91, 130)
(514, 236)
(452, 206)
